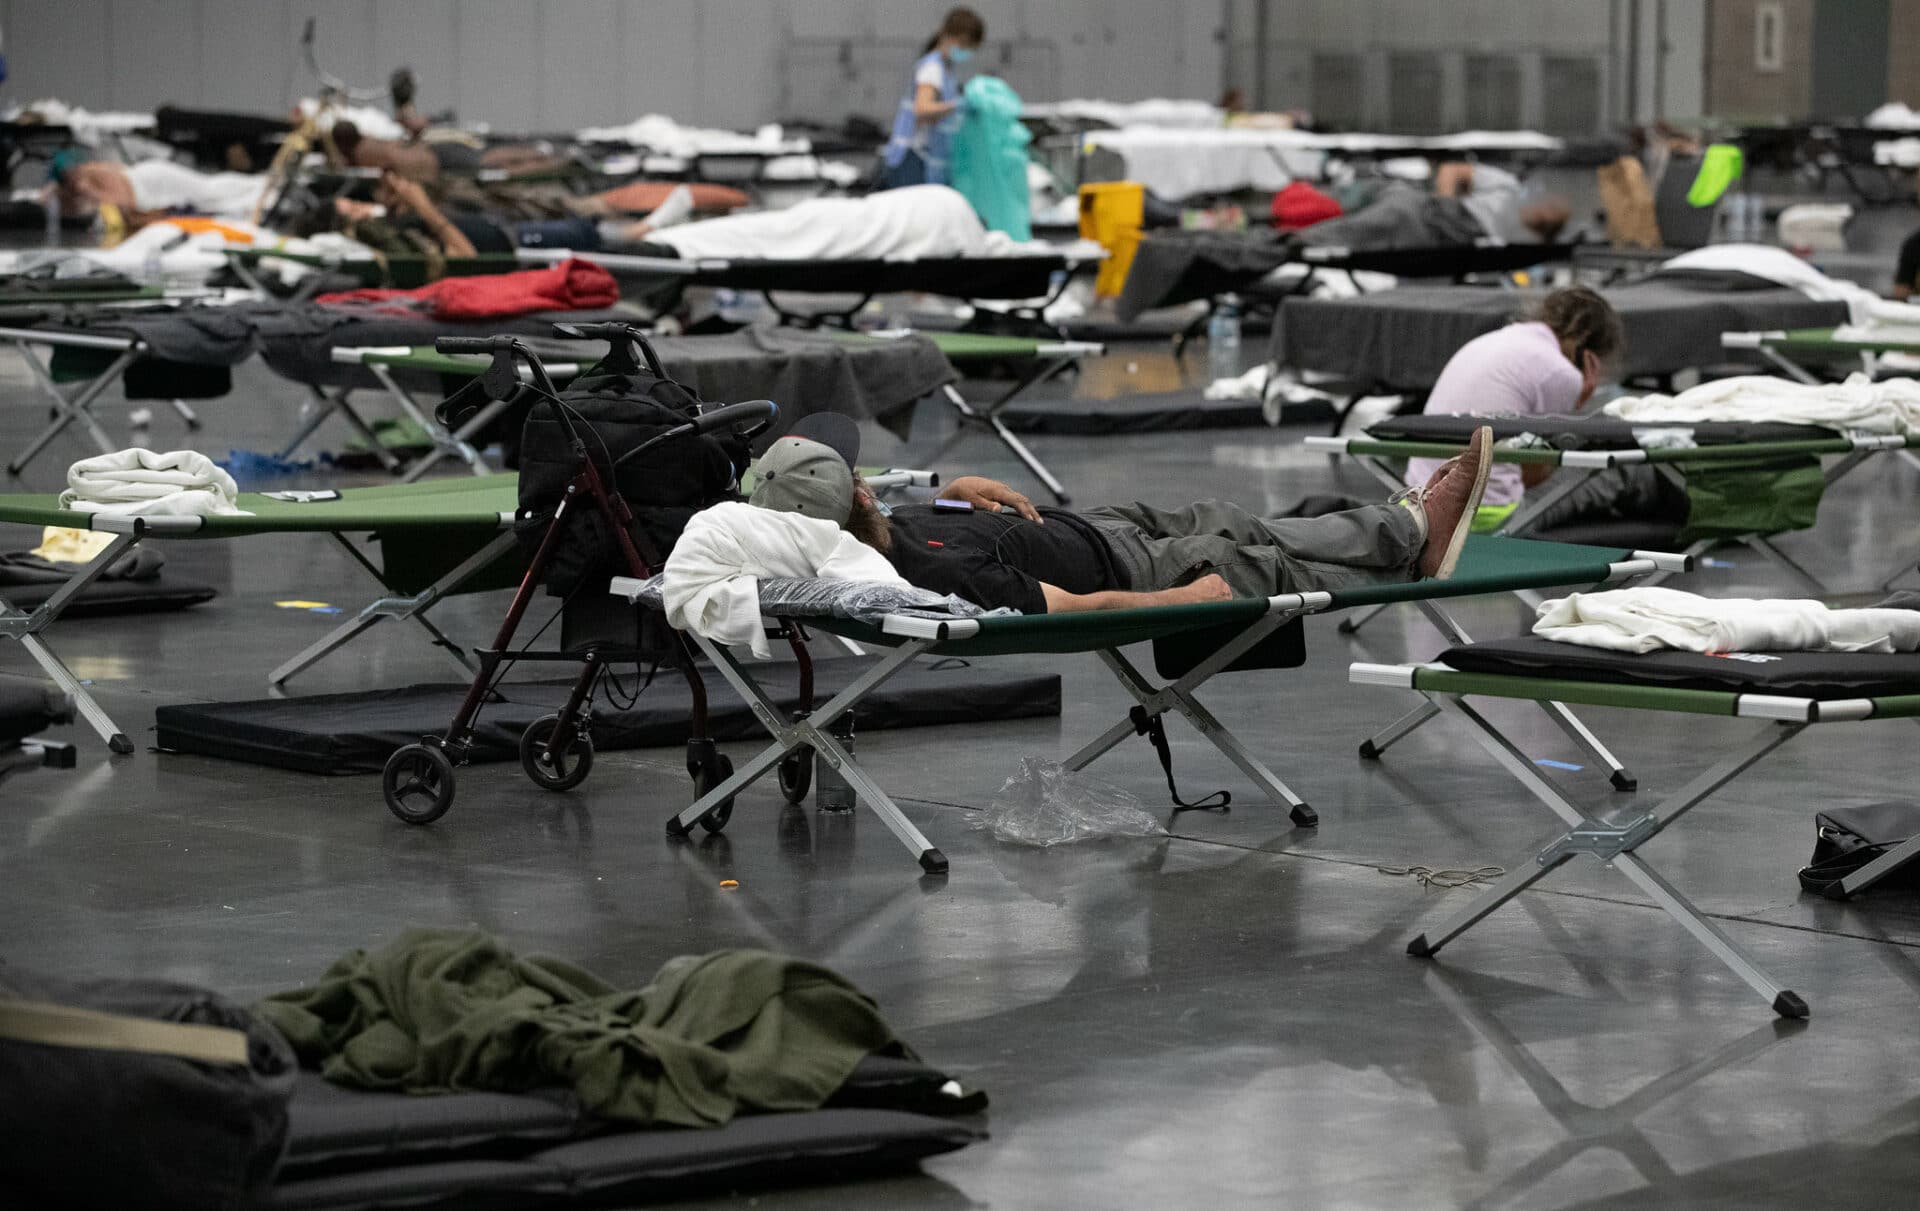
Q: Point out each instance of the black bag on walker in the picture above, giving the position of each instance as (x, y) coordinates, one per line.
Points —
(616, 413)
(1848, 838)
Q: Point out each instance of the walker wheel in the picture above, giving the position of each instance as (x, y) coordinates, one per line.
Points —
(418, 783)
(796, 774)
(555, 770)
(710, 775)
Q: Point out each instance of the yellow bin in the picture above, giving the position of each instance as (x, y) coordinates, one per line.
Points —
(1111, 215)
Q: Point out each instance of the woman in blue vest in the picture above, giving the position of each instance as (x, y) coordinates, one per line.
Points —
(916, 154)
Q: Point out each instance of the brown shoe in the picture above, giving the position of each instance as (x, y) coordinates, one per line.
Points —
(1450, 499)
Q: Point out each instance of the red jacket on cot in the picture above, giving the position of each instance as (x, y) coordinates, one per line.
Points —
(1301, 205)
(572, 285)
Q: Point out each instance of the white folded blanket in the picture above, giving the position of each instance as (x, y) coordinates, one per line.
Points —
(178, 483)
(711, 583)
(917, 223)
(1859, 405)
(1652, 619)
(1782, 268)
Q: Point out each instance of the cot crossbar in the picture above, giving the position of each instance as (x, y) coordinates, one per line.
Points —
(1616, 842)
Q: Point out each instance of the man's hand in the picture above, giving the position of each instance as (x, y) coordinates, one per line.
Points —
(990, 496)
(1211, 587)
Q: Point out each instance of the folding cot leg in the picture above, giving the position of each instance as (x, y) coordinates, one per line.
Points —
(1787, 366)
(1767, 547)
(1875, 870)
(71, 411)
(328, 405)
(1537, 501)
(1351, 626)
(1614, 845)
(1580, 734)
(1179, 696)
(412, 607)
(1562, 716)
(26, 627)
(1382, 740)
(459, 442)
(813, 730)
(444, 443)
(1785, 1002)
(186, 413)
(1007, 438)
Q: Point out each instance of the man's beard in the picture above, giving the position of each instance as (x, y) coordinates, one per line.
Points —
(870, 526)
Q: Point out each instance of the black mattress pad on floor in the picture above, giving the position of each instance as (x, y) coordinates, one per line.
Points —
(104, 598)
(1789, 674)
(1157, 412)
(348, 1148)
(357, 732)
(1401, 339)
(985, 277)
(29, 707)
(1596, 432)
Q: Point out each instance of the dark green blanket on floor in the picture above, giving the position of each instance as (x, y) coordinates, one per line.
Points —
(712, 1036)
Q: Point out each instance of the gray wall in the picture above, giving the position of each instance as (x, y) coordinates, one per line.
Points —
(1574, 66)
(552, 65)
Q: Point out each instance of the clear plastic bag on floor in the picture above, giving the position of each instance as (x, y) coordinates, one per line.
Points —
(1046, 804)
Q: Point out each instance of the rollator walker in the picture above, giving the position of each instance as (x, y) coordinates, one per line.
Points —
(557, 750)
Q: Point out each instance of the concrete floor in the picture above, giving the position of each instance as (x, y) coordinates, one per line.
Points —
(1222, 1018)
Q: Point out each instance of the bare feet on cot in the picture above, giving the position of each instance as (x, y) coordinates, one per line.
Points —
(1449, 500)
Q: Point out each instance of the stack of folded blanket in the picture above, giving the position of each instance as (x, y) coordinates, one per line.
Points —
(177, 483)
(1655, 619)
(1858, 405)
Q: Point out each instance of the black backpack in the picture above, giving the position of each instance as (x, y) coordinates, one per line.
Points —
(615, 410)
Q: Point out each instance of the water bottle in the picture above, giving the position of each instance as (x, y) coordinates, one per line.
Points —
(831, 791)
(53, 218)
(1223, 339)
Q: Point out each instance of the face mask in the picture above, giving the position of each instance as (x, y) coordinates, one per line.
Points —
(959, 55)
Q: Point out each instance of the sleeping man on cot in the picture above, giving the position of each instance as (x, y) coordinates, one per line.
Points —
(987, 543)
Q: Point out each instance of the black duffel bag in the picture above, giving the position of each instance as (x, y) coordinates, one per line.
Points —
(615, 413)
(1848, 838)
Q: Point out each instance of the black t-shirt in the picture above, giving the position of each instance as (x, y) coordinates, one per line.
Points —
(1000, 559)
(1907, 273)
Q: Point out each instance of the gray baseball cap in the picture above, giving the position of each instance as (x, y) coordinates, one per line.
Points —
(809, 470)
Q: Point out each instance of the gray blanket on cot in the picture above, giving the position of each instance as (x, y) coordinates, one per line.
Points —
(1401, 339)
(856, 600)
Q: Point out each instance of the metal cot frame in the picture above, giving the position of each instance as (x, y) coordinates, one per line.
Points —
(1855, 448)
(1617, 844)
(1249, 621)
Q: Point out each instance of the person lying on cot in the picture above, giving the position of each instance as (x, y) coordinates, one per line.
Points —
(1467, 204)
(151, 189)
(911, 223)
(1548, 364)
(404, 219)
(426, 161)
(987, 543)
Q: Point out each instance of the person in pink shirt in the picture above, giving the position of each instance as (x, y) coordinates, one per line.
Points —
(1545, 365)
